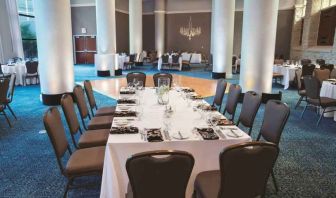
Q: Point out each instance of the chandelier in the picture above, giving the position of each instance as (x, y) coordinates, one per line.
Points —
(190, 31)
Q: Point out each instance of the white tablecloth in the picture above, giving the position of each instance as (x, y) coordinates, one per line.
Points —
(288, 72)
(329, 90)
(120, 147)
(170, 60)
(122, 59)
(196, 58)
(18, 68)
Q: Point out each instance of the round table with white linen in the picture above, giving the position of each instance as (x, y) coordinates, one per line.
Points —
(328, 89)
(18, 68)
(195, 57)
(122, 59)
(288, 72)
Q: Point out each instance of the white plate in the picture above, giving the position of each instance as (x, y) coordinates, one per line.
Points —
(231, 134)
(178, 137)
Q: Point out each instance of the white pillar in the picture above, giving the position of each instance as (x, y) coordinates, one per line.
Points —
(222, 28)
(54, 44)
(135, 26)
(106, 59)
(160, 26)
(258, 45)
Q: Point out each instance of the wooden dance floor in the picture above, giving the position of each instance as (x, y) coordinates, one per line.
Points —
(111, 87)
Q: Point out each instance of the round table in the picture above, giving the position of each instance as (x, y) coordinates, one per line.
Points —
(328, 89)
(19, 69)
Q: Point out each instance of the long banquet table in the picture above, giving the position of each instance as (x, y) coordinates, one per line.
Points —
(184, 118)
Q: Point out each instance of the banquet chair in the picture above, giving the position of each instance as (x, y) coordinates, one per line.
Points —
(308, 70)
(275, 118)
(305, 61)
(163, 174)
(131, 62)
(4, 86)
(322, 74)
(232, 100)
(249, 110)
(96, 122)
(333, 74)
(313, 87)
(186, 64)
(235, 179)
(300, 88)
(102, 111)
(90, 138)
(1, 72)
(32, 72)
(175, 62)
(208, 65)
(140, 76)
(330, 67)
(320, 62)
(165, 62)
(220, 92)
(82, 162)
(11, 94)
(162, 75)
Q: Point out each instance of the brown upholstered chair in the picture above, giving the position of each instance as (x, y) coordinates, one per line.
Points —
(163, 174)
(165, 61)
(11, 94)
(333, 73)
(275, 118)
(320, 61)
(209, 63)
(140, 76)
(175, 61)
(4, 86)
(235, 179)
(102, 111)
(82, 162)
(220, 92)
(305, 61)
(32, 72)
(300, 88)
(232, 100)
(131, 62)
(162, 75)
(322, 74)
(308, 70)
(279, 61)
(313, 87)
(90, 138)
(249, 110)
(186, 64)
(97, 122)
(330, 67)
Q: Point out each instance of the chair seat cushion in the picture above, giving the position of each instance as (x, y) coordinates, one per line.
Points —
(86, 160)
(92, 138)
(325, 102)
(302, 92)
(207, 184)
(100, 122)
(277, 75)
(104, 111)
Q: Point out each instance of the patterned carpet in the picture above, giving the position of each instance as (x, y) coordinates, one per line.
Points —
(28, 168)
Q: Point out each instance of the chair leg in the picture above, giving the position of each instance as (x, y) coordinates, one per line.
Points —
(299, 102)
(250, 130)
(304, 110)
(274, 181)
(9, 123)
(67, 188)
(319, 120)
(11, 110)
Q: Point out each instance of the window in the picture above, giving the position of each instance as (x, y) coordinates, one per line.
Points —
(27, 25)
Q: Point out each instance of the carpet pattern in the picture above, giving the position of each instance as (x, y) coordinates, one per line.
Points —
(28, 168)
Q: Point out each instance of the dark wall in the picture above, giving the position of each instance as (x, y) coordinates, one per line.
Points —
(148, 32)
(122, 32)
(284, 33)
(175, 41)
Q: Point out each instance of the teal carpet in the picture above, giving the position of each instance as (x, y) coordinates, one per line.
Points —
(28, 167)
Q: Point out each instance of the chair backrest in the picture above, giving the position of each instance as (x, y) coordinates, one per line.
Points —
(245, 169)
(132, 58)
(140, 76)
(162, 75)
(81, 103)
(55, 130)
(175, 59)
(275, 118)
(333, 73)
(220, 91)
(4, 86)
(322, 74)
(330, 67)
(70, 113)
(320, 61)
(32, 67)
(251, 104)
(1, 72)
(234, 58)
(307, 70)
(163, 174)
(305, 61)
(312, 86)
(11, 87)
(298, 74)
(232, 100)
(89, 93)
(165, 58)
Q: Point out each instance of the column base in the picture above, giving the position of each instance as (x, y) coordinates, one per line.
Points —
(52, 99)
(103, 73)
(118, 72)
(106, 64)
(216, 75)
(265, 97)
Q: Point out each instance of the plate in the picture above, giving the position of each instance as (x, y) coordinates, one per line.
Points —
(121, 122)
(178, 136)
(234, 135)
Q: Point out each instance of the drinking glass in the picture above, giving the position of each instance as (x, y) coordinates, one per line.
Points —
(140, 85)
(162, 81)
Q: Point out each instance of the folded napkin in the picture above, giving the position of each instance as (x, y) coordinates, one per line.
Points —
(196, 97)
(188, 90)
(154, 135)
(127, 91)
(125, 114)
(126, 101)
(206, 107)
(207, 133)
(124, 130)
(225, 122)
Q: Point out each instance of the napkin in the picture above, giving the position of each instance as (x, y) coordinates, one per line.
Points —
(125, 114)
(154, 135)
(126, 91)
(225, 122)
(188, 90)
(197, 97)
(207, 133)
(126, 101)
(206, 107)
(124, 130)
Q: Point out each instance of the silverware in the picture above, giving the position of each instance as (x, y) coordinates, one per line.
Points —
(234, 133)
(220, 134)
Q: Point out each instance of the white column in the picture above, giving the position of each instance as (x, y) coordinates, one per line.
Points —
(222, 28)
(106, 59)
(160, 26)
(258, 45)
(54, 44)
(135, 26)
